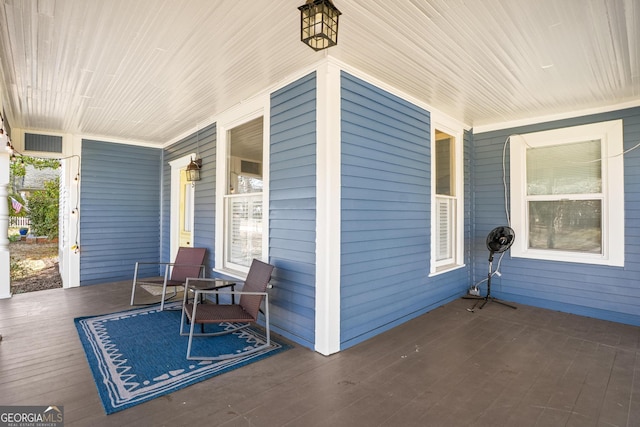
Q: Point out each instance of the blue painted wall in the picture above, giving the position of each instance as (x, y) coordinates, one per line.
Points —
(119, 218)
(611, 293)
(292, 209)
(385, 201)
(202, 142)
(386, 211)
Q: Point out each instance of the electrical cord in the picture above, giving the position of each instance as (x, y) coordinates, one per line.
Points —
(507, 207)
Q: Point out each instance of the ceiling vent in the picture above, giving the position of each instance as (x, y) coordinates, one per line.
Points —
(42, 143)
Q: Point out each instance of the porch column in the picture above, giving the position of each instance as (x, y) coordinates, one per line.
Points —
(5, 288)
(328, 209)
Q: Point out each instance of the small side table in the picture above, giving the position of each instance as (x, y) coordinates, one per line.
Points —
(211, 285)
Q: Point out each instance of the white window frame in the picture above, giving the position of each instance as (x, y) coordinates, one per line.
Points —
(237, 116)
(610, 134)
(457, 261)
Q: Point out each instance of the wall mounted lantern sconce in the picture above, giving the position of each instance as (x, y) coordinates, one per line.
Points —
(319, 24)
(193, 170)
(194, 166)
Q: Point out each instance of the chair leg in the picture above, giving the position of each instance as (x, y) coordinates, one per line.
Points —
(266, 320)
(164, 287)
(133, 287)
(183, 315)
(193, 316)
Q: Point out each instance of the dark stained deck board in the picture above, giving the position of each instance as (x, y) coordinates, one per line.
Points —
(495, 367)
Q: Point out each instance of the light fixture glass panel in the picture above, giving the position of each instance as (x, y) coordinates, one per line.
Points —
(319, 24)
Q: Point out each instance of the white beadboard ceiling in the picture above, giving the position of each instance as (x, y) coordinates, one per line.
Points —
(153, 70)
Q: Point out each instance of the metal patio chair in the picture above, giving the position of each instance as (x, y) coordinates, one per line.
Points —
(245, 312)
(189, 262)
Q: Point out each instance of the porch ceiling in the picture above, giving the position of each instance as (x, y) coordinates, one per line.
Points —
(155, 70)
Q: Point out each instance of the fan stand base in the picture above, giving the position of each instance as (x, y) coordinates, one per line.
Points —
(482, 301)
(488, 298)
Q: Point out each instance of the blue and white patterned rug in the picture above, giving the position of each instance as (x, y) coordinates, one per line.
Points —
(138, 355)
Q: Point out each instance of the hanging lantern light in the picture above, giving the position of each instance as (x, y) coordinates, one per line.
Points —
(319, 24)
(193, 170)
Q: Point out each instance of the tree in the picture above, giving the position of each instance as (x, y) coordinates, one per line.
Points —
(43, 209)
(17, 169)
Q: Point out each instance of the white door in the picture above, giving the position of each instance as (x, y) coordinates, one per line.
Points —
(182, 205)
(185, 215)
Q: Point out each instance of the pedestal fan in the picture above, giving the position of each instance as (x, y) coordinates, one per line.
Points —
(498, 241)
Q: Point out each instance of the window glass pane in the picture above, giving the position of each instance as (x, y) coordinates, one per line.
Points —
(187, 216)
(445, 221)
(245, 158)
(564, 169)
(243, 202)
(248, 184)
(244, 215)
(566, 225)
(444, 164)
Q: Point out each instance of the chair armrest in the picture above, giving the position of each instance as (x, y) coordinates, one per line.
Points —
(194, 284)
(224, 283)
(139, 263)
(173, 264)
(200, 293)
(170, 264)
(227, 292)
(153, 263)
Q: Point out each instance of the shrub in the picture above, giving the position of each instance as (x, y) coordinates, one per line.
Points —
(43, 210)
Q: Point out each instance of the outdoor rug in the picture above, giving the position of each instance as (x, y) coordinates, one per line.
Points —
(138, 355)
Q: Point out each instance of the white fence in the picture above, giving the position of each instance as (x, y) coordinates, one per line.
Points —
(19, 221)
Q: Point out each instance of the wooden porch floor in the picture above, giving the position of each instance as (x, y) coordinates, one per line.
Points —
(450, 367)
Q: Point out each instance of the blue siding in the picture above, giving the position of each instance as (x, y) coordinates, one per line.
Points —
(204, 143)
(386, 212)
(119, 201)
(292, 209)
(604, 292)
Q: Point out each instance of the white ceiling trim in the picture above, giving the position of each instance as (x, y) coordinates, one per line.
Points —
(554, 117)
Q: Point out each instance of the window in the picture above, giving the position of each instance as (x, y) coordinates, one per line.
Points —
(243, 199)
(187, 214)
(567, 194)
(447, 188)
